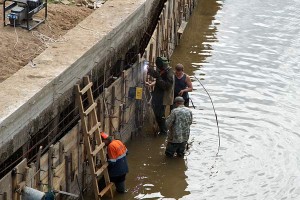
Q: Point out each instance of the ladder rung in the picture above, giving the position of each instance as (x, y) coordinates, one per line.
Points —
(99, 171)
(101, 194)
(92, 107)
(98, 148)
(86, 88)
(94, 128)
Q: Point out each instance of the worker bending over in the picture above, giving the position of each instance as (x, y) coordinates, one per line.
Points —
(178, 122)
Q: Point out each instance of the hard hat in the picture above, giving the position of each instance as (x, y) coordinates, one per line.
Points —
(104, 135)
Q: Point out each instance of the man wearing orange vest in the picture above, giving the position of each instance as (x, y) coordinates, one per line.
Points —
(116, 157)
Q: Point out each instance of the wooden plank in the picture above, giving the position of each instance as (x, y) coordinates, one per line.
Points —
(98, 148)
(120, 117)
(31, 176)
(58, 177)
(105, 190)
(4, 196)
(101, 169)
(61, 152)
(182, 27)
(99, 111)
(68, 140)
(106, 112)
(38, 167)
(94, 128)
(44, 162)
(55, 155)
(80, 160)
(72, 171)
(50, 167)
(151, 59)
(113, 99)
(17, 177)
(90, 109)
(86, 88)
(6, 186)
(26, 174)
(102, 106)
(157, 51)
(67, 173)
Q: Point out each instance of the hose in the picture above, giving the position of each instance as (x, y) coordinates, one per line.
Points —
(214, 112)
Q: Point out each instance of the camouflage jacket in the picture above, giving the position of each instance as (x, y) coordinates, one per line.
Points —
(179, 122)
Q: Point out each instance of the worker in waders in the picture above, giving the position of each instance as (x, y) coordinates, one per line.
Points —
(162, 94)
(117, 162)
(178, 122)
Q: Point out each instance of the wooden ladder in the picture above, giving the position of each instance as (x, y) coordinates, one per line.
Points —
(92, 139)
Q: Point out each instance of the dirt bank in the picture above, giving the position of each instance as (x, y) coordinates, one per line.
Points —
(19, 46)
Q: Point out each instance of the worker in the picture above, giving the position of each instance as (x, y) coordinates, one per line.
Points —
(178, 122)
(162, 94)
(117, 161)
(183, 84)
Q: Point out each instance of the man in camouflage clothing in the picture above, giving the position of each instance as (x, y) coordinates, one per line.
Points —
(178, 122)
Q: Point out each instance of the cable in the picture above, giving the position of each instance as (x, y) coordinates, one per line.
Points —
(219, 145)
(214, 112)
(192, 103)
(44, 39)
(16, 35)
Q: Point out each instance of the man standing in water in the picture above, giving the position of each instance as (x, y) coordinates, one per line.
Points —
(117, 162)
(178, 122)
(162, 94)
(183, 84)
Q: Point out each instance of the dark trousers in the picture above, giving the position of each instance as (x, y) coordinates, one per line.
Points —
(177, 148)
(159, 112)
(119, 182)
(187, 102)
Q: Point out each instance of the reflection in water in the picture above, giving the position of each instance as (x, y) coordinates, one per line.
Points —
(195, 45)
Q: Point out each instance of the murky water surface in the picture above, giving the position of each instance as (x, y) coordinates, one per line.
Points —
(246, 54)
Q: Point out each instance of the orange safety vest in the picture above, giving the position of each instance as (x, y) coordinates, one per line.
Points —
(116, 150)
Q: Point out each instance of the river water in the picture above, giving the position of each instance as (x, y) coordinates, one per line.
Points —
(246, 55)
